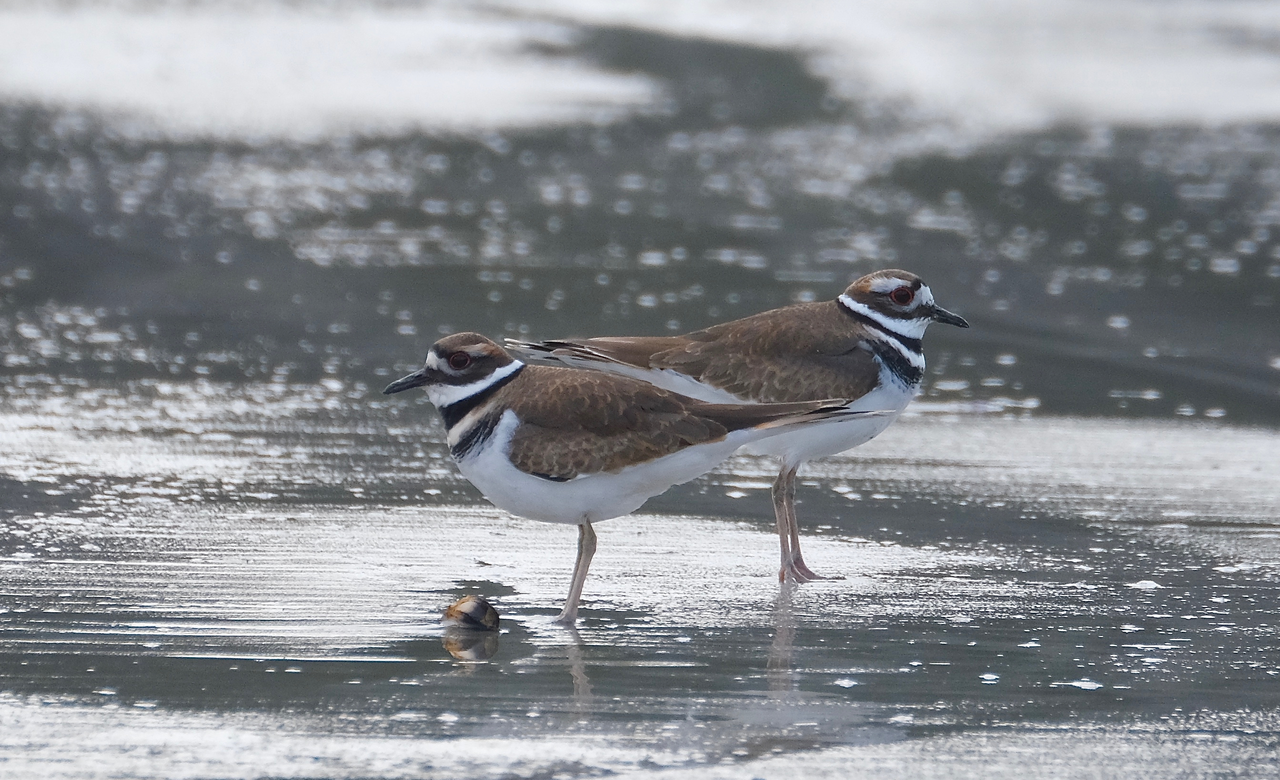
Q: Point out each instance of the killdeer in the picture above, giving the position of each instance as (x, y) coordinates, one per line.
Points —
(565, 445)
(864, 345)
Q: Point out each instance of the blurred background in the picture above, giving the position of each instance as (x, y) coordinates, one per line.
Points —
(225, 226)
(288, 192)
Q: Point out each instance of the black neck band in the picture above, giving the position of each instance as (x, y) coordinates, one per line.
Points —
(901, 368)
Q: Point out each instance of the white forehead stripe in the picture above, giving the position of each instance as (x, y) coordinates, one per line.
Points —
(888, 284)
(911, 329)
(444, 395)
(924, 296)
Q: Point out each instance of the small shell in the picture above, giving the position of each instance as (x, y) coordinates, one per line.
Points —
(472, 612)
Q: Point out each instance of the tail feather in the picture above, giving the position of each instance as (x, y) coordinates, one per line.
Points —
(553, 350)
(763, 417)
(519, 345)
(823, 415)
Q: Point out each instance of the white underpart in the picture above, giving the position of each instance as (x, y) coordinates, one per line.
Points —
(444, 395)
(912, 329)
(589, 497)
(796, 446)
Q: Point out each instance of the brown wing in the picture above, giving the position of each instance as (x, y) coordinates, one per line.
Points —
(797, 353)
(615, 421)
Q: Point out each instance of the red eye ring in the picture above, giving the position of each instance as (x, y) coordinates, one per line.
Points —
(902, 296)
(459, 361)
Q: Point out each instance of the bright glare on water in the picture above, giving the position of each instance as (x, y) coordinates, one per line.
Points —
(223, 229)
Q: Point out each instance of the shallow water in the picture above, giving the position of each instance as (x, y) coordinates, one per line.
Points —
(224, 554)
(263, 569)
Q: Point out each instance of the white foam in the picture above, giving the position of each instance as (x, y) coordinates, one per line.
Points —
(1004, 65)
(302, 74)
(986, 66)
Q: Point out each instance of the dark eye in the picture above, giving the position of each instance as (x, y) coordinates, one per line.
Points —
(459, 361)
(902, 296)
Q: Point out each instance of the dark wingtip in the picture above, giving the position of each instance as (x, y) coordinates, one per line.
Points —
(546, 347)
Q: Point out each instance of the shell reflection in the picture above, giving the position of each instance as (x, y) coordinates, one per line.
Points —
(468, 644)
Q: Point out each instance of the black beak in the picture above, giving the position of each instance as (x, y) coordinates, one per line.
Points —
(939, 315)
(416, 379)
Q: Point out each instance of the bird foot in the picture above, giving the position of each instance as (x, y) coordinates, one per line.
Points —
(797, 571)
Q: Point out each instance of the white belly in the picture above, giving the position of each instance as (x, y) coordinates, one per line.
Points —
(592, 497)
(819, 441)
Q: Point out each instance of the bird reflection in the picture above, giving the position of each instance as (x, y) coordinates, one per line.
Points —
(578, 669)
(780, 674)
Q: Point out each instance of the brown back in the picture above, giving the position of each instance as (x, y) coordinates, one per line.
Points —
(805, 352)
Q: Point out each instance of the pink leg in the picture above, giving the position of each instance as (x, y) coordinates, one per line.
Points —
(784, 505)
(586, 549)
(780, 511)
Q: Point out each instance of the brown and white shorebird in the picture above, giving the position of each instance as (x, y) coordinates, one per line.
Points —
(564, 445)
(864, 345)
